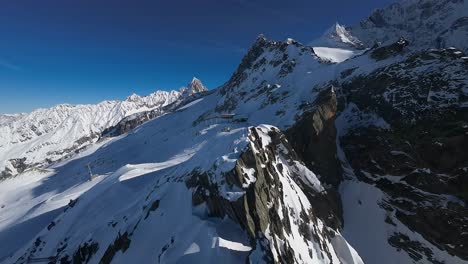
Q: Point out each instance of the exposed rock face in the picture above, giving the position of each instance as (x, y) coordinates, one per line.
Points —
(416, 155)
(382, 53)
(314, 139)
(278, 205)
(196, 86)
(14, 166)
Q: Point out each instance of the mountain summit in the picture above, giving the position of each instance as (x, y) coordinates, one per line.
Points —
(337, 36)
(337, 44)
(195, 86)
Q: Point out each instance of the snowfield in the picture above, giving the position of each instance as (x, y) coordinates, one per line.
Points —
(334, 54)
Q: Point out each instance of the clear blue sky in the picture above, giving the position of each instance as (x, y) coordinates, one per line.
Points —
(86, 51)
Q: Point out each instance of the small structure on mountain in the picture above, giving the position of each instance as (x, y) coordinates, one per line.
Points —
(225, 118)
(227, 115)
(42, 260)
(91, 175)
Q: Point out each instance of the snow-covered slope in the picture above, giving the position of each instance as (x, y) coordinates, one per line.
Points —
(424, 23)
(336, 55)
(241, 190)
(47, 135)
(211, 166)
(337, 44)
(157, 197)
(337, 36)
(293, 160)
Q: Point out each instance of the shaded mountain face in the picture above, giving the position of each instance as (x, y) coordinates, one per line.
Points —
(296, 159)
(337, 44)
(404, 132)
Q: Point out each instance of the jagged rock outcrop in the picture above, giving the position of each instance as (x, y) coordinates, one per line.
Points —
(408, 91)
(314, 139)
(412, 148)
(385, 52)
(14, 166)
(278, 203)
(130, 122)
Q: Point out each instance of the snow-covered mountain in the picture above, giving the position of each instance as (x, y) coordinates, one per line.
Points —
(195, 86)
(47, 135)
(337, 36)
(425, 23)
(337, 45)
(293, 160)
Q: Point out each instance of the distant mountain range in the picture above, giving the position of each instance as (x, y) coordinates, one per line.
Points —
(47, 135)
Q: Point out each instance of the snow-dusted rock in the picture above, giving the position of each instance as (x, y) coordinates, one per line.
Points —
(195, 86)
(425, 23)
